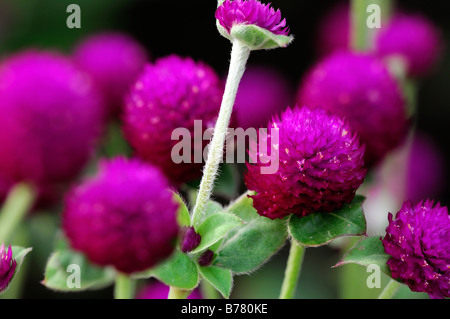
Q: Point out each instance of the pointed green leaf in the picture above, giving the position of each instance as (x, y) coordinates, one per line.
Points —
(178, 271)
(368, 251)
(219, 278)
(321, 228)
(215, 227)
(257, 38)
(183, 217)
(243, 208)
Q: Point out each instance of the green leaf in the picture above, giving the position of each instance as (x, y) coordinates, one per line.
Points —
(18, 254)
(243, 208)
(215, 227)
(219, 278)
(183, 217)
(64, 266)
(211, 208)
(257, 38)
(178, 271)
(368, 251)
(321, 228)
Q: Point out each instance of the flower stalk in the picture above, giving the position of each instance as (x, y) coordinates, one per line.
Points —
(293, 269)
(124, 287)
(390, 290)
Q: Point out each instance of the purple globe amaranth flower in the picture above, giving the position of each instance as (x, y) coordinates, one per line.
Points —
(263, 92)
(114, 60)
(51, 119)
(158, 290)
(237, 12)
(172, 94)
(412, 38)
(189, 239)
(7, 267)
(124, 217)
(360, 88)
(418, 241)
(320, 165)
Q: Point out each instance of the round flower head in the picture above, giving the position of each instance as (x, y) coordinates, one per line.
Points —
(158, 290)
(7, 267)
(334, 30)
(51, 119)
(263, 92)
(124, 217)
(114, 61)
(320, 164)
(412, 38)
(418, 241)
(360, 88)
(174, 93)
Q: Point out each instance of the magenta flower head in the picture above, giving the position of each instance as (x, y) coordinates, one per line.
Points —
(418, 241)
(51, 119)
(158, 290)
(320, 165)
(7, 267)
(124, 217)
(174, 93)
(114, 60)
(257, 25)
(412, 38)
(361, 89)
(263, 92)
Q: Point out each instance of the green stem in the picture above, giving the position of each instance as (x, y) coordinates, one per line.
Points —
(239, 57)
(124, 287)
(293, 268)
(390, 290)
(177, 293)
(208, 290)
(359, 33)
(18, 203)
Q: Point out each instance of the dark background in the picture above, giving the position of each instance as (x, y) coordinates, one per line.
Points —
(188, 28)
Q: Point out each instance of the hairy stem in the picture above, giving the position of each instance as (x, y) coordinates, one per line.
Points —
(124, 287)
(293, 268)
(390, 290)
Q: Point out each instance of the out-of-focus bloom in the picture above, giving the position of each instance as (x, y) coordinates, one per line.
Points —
(263, 92)
(124, 217)
(412, 38)
(239, 12)
(114, 60)
(418, 241)
(7, 267)
(320, 165)
(51, 119)
(189, 239)
(169, 95)
(158, 290)
(360, 88)
(334, 30)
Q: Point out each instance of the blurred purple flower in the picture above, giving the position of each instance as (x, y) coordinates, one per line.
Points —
(251, 12)
(333, 33)
(7, 267)
(114, 60)
(419, 244)
(320, 165)
(124, 217)
(158, 290)
(361, 89)
(263, 92)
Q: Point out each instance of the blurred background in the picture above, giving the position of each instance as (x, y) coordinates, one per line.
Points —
(188, 28)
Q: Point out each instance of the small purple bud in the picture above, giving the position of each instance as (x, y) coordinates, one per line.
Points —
(189, 239)
(7, 267)
(206, 258)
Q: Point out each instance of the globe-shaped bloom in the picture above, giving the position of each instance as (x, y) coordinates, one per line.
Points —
(360, 88)
(51, 119)
(263, 92)
(125, 216)
(114, 61)
(418, 241)
(321, 164)
(174, 96)
(414, 39)
(158, 290)
(7, 267)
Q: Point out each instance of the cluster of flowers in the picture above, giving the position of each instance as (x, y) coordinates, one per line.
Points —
(351, 111)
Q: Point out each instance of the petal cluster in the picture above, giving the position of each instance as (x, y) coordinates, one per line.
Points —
(125, 216)
(320, 164)
(253, 12)
(418, 241)
(360, 88)
(7, 267)
(172, 94)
